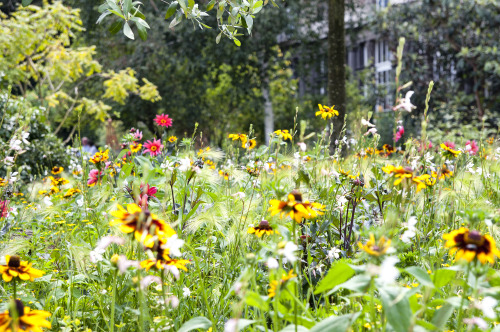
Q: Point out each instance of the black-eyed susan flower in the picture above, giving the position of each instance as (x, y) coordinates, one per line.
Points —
(3, 182)
(172, 139)
(445, 173)
(135, 147)
(262, 228)
(71, 192)
(399, 172)
(58, 181)
(420, 181)
(449, 152)
(375, 249)
(389, 149)
(470, 245)
(224, 174)
(16, 268)
(284, 134)
(251, 144)
(274, 284)
(57, 170)
(99, 157)
(24, 319)
(295, 207)
(326, 112)
(147, 228)
(242, 137)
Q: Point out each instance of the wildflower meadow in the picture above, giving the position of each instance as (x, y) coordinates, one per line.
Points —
(313, 227)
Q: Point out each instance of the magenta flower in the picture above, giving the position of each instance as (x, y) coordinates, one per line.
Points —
(471, 147)
(163, 120)
(94, 177)
(4, 209)
(153, 147)
(147, 191)
(399, 133)
(449, 144)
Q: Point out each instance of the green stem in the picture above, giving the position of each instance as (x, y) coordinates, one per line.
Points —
(464, 295)
(163, 290)
(140, 304)
(15, 288)
(112, 317)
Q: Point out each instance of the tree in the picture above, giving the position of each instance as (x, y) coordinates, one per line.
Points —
(336, 61)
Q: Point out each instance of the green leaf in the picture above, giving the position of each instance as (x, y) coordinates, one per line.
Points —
(103, 15)
(442, 277)
(117, 14)
(190, 3)
(127, 6)
(442, 315)
(217, 39)
(143, 32)
(115, 27)
(257, 7)
(237, 42)
(242, 323)
(397, 308)
(421, 275)
(127, 31)
(196, 323)
(26, 2)
(335, 323)
(255, 300)
(140, 21)
(339, 273)
(359, 283)
(291, 328)
(210, 5)
(171, 9)
(249, 21)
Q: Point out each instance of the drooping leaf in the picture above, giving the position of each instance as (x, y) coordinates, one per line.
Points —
(339, 273)
(196, 323)
(127, 31)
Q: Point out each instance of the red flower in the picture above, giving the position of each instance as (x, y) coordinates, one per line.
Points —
(399, 133)
(471, 147)
(163, 120)
(449, 144)
(154, 147)
(4, 209)
(147, 191)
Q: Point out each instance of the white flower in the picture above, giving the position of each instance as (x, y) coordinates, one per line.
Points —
(239, 195)
(406, 103)
(334, 253)
(47, 201)
(185, 164)
(289, 251)
(24, 137)
(366, 123)
(13, 177)
(388, 271)
(108, 240)
(186, 292)
(173, 301)
(9, 161)
(302, 146)
(341, 201)
(148, 280)
(173, 245)
(96, 255)
(296, 155)
(487, 305)
(410, 232)
(371, 131)
(272, 263)
(479, 322)
(15, 145)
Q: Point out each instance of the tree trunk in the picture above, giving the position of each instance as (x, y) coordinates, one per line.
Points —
(268, 114)
(336, 62)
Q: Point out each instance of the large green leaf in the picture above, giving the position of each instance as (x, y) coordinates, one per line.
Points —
(340, 272)
(397, 308)
(335, 323)
(26, 2)
(421, 275)
(196, 323)
(442, 277)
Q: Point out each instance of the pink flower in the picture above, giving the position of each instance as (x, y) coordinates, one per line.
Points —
(429, 146)
(163, 120)
(4, 209)
(146, 192)
(471, 147)
(449, 144)
(399, 133)
(154, 147)
(94, 176)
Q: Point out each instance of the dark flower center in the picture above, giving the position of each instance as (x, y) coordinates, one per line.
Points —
(19, 309)
(297, 195)
(14, 261)
(474, 237)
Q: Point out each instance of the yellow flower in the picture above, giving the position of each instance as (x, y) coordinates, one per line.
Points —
(375, 249)
(16, 268)
(261, 229)
(57, 170)
(326, 112)
(224, 174)
(295, 207)
(274, 284)
(99, 157)
(172, 139)
(470, 245)
(449, 152)
(445, 173)
(71, 192)
(135, 147)
(25, 319)
(3, 182)
(420, 181)
(242, 137)
(251, 144)
(283, 134)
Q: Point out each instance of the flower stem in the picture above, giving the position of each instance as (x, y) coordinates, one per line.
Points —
(464, 295)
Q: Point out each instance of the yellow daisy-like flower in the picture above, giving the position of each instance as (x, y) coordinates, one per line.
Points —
(326, 112)
(57, 170)
(242, 137)
(449, 152)
(25, 319)
(224, 174)
(58, 181)
(135, 147)
(470, 245)
(261, 229)
(295, 207)
(274, 284)
(172, 139)
(76, 172)
(99, 157)
(375, 249)
(420, 181)
(3, 182)
(16, 268)
(251, 144)
(445, 173)
(71, 192)
(399, 172)
(147, 228)
(284, 134)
